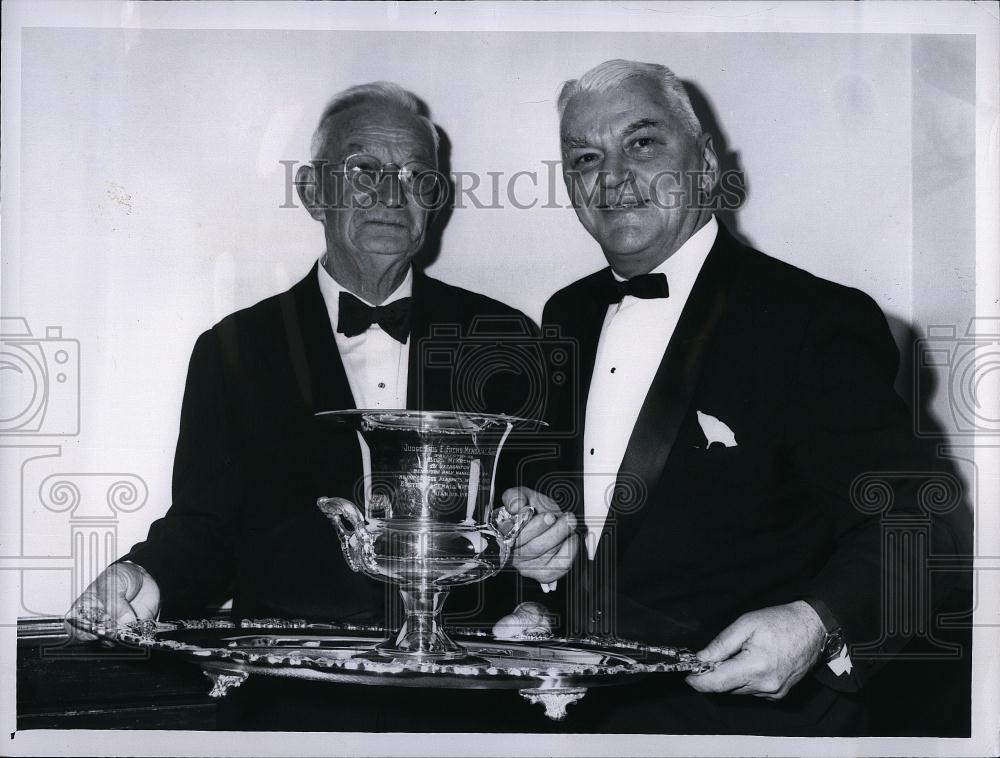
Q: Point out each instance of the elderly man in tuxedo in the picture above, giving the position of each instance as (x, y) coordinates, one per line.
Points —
(251, 460)
(728, 401)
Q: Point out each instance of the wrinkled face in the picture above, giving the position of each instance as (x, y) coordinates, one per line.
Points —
(638, 180)
(364, 219)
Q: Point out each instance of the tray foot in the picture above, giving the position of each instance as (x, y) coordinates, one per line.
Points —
(556, 701)
(223, 681)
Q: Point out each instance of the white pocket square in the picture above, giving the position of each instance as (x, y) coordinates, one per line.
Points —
(715, 430)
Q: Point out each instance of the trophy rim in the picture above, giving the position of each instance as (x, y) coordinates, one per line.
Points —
(403, 419)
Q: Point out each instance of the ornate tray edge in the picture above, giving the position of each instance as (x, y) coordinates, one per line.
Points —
(145, 634)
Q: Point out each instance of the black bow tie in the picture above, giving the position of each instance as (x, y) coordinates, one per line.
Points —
(644, 287)
(354, 317)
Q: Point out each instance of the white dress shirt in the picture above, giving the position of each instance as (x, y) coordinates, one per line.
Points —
(376, 364)
(633, 339)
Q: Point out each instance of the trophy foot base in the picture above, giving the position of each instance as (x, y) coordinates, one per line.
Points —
(422, 636)
(438, 647)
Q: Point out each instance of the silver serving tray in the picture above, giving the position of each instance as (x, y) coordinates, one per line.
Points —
(555, 672)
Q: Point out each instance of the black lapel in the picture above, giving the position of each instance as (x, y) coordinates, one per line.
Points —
(673, 384)
(594, 310)
(422, 392)
(580, 324)
(319, 370)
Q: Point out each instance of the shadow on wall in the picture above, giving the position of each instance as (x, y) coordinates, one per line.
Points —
(918, 384)
(729, 160)
(897, 697)
(438, 219)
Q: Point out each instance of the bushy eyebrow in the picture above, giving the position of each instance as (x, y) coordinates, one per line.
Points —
(570, 141)
(353, 148)
(642, 123)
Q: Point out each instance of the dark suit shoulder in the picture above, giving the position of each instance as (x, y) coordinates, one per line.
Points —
(262, 314)
(257, 324)
(582, 290)
(444, 301)
(790, 292)
(467, 299)
(260, 332)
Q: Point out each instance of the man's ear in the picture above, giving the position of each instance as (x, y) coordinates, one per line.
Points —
(307, 185)
(711, 160)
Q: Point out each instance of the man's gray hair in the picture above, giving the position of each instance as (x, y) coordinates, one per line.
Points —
(387, 93)
(610, 74)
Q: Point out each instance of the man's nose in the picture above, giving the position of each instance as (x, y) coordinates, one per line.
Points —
(614, 171)
(390, 190)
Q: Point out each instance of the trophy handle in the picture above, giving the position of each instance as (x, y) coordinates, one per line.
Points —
(508, 526)
(339, 510)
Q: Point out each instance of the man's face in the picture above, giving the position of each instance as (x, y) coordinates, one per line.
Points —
(633, 173)
(363, 220)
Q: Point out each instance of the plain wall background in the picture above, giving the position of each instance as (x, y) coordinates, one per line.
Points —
(151, 192)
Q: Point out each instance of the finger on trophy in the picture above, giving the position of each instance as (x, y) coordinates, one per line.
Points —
(545, 503)
(509, 524)
(548, 566)
(553, 558)
(515, 498)
(546, 532)
(565, 555)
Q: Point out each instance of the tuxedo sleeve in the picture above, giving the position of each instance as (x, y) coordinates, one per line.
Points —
(851, 440)
(545, 452)
(189, 552)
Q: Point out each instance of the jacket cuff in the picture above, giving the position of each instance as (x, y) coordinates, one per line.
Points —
(823, 611)
(844, 682)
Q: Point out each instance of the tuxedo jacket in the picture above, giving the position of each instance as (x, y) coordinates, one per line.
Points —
(252, 459)
(801, 370)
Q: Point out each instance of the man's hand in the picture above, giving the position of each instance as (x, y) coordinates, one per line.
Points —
(123, 592)
(546, 546)
(763, 653)
(528, 620)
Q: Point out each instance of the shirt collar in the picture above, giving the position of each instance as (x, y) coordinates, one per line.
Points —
(330, 288)
(686, 262)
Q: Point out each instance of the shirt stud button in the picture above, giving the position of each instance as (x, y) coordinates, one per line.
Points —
(591, 451)
(612, 369)
(381, 385)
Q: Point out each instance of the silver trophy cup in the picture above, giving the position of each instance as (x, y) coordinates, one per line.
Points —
(429, 521)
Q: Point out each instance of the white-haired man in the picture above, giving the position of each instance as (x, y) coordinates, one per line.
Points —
(730, 401)
(251, 461)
